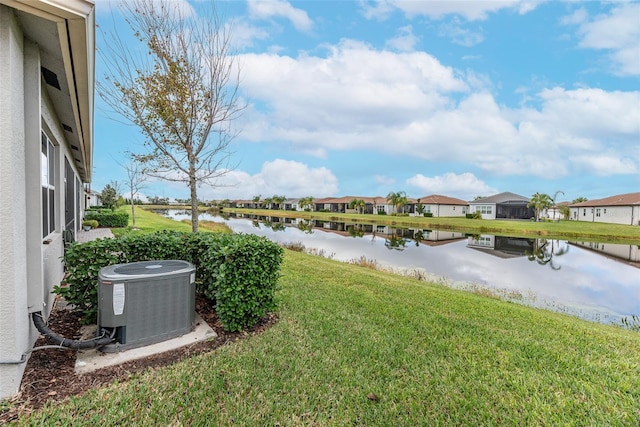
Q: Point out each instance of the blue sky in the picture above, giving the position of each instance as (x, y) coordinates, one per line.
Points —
(460, 98)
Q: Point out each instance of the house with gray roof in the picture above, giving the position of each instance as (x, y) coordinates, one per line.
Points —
(503, 206)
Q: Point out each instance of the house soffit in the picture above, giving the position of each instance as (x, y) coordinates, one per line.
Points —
(45, 33)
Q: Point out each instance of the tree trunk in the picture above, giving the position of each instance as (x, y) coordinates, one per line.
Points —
(194, 198)
(133, 213)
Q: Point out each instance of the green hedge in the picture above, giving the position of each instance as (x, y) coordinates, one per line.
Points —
(237, 272)
(107, 218)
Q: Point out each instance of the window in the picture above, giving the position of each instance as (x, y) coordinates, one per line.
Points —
(380, 208)
(483, 241)
(598, 212)
(605, 211)
(484, 209)
(47, 180)
(584, 212)
(427, 209)
(454, 208)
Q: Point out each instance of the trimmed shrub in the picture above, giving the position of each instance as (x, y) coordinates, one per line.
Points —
(428, 214)
(237, 272)
(108, 218)
(90, 223)
(247, 280)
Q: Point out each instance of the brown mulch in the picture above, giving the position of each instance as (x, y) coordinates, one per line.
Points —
(50, 376)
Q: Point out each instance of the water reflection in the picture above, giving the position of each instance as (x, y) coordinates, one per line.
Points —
(594, 281)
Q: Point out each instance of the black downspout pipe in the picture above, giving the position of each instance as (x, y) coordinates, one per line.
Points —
(100, 341)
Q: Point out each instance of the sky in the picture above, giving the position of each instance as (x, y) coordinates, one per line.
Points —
(458, 98)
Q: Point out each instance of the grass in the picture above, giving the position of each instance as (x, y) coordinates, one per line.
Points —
(149, 222)
(575, 230)
(356, 346)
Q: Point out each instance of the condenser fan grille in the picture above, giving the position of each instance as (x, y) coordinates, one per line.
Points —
(150, 267)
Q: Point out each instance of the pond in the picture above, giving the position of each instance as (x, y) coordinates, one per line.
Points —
(595, 281)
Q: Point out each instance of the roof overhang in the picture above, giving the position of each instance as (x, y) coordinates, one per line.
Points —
(65, 33)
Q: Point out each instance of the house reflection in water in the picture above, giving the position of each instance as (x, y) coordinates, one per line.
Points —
(501, 246)
(619, 252)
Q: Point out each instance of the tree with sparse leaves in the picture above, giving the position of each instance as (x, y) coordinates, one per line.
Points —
(182, 94)
(135, 181)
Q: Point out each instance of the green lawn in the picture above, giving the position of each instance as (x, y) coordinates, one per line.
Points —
(355, 346)
(149, 222)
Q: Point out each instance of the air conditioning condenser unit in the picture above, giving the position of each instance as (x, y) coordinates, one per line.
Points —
(146, 302)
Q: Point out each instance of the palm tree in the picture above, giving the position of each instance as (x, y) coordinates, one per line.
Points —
(358, 204)
(278, 200)
(540, 202)
(398, 199)
(306, 203)
(267, 202)
(256, 201)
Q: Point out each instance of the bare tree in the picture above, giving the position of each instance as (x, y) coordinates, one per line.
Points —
(135, 181)
(182, 93)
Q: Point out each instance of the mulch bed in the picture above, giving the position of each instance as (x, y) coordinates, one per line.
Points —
(50, 375)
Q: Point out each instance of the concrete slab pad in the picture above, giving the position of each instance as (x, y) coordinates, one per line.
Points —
(91, 360)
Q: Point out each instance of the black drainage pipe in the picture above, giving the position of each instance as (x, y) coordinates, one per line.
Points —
(39, 322)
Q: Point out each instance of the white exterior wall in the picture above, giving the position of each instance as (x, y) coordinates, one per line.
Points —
(629, 215)
(624, 252)
(31, 264)
(492, 215)
(446, 210)
(14, 317)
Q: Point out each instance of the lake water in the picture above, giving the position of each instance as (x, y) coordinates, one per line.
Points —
(594, 281)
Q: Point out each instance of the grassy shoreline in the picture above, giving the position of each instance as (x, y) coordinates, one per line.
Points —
(355, 346)
(570, 230)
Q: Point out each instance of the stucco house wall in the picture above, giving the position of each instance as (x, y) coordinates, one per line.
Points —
(484, 209)
(618, 209)
(38, 37)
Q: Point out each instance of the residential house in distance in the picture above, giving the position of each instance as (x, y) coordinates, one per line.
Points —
(619, 209)
(439, 205)
(46, 147)
(341, 204)
(555, 212)
(502, 206)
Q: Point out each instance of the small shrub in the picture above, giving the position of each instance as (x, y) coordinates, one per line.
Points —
(90, 223)
(428, 214)
(237, 272)
(382, 213)
(108, 218)
(474, 215)
(294, 246)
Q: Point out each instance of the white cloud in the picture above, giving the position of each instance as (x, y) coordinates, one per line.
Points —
(618, 32)
(470, 10)
(464, 186)
(363, 100)
(244, 34)
(405, 41)
(604, 164)
(260, 9)
(460, 35)
(376, 9)
(384, 180)
(282, 177)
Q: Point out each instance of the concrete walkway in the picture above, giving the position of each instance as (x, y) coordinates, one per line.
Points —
(93, 234)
